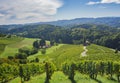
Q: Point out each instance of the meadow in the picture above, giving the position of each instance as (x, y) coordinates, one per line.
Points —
(10, 46)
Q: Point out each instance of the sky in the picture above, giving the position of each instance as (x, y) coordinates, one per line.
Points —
(31, 11)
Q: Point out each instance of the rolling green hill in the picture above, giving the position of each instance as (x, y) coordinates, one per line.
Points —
(7, 41)
(10, 46)
(58, 55)
(67, 52)
(96, 52)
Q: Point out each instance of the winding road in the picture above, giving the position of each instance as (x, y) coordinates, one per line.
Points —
(84, 52)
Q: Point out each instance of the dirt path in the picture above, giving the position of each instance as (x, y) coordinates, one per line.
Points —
(84, 52)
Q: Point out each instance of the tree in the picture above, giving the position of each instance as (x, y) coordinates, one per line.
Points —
(36, 59)
(69, 69)
(116, 50)
(36, 44)
(21, 74)
(117, 71)
(21, 56)
(110, 69)
(10, 57)
(43, 51)
(52, 42)
(42, 43)
(25, 50)
(49, 68)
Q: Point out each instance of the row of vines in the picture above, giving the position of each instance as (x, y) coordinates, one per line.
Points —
(90, 68)
(93, 69)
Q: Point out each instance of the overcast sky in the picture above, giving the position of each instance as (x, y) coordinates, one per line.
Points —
(29, 11)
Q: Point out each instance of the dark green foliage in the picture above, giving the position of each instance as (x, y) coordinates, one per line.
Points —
(116, 50)
(2, 35)
(21, 56)
(26, 71)
(8, 72)
(52, 42)
(28, 51)
(10, 57)
(43, 51)
(36, 59)
(33, 51)
(36, 44)
(2, 47)
(42, 43)
(69, 69)
(93, 68)
(21, 73)
(49, 68)
(117, 71)
(23, 61)
(25, 52)
(78, 34)
(8, 36)
(109, 69)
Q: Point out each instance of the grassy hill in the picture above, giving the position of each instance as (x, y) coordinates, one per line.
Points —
(10, 46)
(59, 54)
(67, 52)
(7, 41)
(96, 52)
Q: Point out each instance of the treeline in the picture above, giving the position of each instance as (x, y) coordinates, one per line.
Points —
(2, 35)
(77, 34)
(24, 52)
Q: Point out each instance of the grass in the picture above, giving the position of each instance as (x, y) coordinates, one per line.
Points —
(59, 77)
(11, 40)
(6, 41)
(13, 44)
(48, 51)
(2, 47)
(67, 52)
(96, 52)
(61, 53)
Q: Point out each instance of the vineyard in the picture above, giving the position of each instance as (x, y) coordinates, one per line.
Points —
(62, 63)
(90, 69)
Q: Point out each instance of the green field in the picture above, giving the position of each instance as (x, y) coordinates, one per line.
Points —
(7, 41)
(11, 45)
(59, 54)
(96, 52)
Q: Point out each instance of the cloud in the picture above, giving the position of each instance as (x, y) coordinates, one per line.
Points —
(92, 3)
(102, 7)
(104, 2)
(21, 11)
(1, 15)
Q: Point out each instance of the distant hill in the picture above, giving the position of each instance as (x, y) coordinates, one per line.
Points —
(101, 31)
(110, 21)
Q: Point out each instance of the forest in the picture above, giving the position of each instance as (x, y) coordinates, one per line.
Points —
(99, 34)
